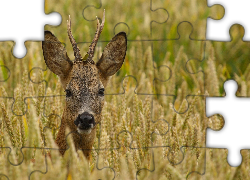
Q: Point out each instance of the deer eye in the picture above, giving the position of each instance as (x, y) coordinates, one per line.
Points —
(68, 93)
(101, 92)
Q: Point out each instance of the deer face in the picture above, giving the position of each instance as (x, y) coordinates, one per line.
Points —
(84, 81)
(84, 96)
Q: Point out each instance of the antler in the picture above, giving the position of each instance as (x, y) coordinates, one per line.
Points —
(94, 42)
(73, 42)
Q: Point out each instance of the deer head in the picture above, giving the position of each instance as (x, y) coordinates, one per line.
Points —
(84, 82)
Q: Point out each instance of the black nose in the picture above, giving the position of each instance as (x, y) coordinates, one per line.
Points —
(85, 121)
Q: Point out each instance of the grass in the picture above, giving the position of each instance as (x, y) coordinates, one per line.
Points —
(129, 125)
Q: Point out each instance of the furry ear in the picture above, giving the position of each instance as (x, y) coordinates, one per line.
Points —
(113, 55)
(55, 55)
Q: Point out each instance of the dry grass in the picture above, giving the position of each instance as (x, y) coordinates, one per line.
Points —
(129, 119)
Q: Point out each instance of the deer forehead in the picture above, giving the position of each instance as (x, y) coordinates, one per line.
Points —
(84, 77)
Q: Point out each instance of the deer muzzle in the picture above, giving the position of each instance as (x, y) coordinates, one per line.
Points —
(85, 122)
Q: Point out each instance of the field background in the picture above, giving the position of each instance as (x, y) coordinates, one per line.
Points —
(31, 122)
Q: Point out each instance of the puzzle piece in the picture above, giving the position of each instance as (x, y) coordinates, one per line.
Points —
(184, 62)
(27, 82)
(196, 13)
(186, 129)
(127, 22)
(193, 161)
(32, 163)
(217, 166)
(140, 159)
(187, 125)
(20, 152)
(225, 138)
(71, 161)
(119, 116)
(231, 64)
(229, 19)
(24, 26)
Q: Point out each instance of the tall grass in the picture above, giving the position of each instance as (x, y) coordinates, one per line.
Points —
(141, 136)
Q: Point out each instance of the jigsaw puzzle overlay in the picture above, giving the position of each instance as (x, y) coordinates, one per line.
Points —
(154, 123)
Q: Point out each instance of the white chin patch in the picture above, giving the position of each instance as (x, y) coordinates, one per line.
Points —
(80, 131)
(84, 131)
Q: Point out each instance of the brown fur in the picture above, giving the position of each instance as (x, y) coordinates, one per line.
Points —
(83, 79)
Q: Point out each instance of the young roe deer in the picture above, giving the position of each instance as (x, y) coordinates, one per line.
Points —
(84, 83)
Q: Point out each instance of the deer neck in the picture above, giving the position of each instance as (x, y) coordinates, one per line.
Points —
(82, 142)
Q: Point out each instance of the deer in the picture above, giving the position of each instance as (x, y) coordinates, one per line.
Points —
(84, 82)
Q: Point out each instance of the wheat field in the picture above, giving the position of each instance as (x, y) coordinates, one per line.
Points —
(141, 136)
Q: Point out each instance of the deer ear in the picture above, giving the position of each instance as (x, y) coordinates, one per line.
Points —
(113, 55)
(55, 55)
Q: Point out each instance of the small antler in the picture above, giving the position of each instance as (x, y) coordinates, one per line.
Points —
(94, 42)
(73, 42)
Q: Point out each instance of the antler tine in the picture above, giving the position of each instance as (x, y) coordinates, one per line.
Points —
(94, 42)
(73, 41)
